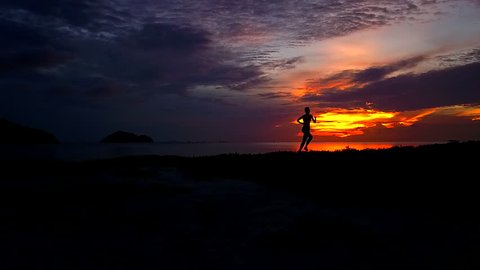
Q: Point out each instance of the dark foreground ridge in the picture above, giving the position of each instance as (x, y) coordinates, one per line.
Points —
(398, 208)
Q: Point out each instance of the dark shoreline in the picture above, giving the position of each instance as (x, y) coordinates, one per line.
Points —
(368, 209)
(419, 165)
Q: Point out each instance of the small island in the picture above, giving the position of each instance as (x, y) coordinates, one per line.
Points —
(126, 137)
(18, 134)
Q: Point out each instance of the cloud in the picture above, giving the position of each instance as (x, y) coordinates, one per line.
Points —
(169, 37)
(262, 25)
(302, 20)
(284, 64)
(371, 74)
(169, 46)
(437, 88)
(460, 58)
(350, 79)
(24, 47)
(21, 36)
(432, 128)
(377, 73)
(156, 59)
(275, 95)
(374, 125)
(94, 59)
(76, 12)
(184, 57)
(27, 60)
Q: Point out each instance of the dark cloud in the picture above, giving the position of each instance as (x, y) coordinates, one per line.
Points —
(282, 22)
(105, 90)
(158, 58)
(25, 48)
(174, 58)
(27, 60)
(453, 86)
(75, 12)
(194, 28)
(371, 74)
(284, 64)
(275, 95)
(16, 36)
(169, 37)
(377, 73)
(88, 88)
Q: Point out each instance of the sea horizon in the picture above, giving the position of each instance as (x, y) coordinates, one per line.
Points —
(94, 150)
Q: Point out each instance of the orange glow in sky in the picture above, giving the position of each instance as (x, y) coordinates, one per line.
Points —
(331, 65)
(350, 122)
(344, 123)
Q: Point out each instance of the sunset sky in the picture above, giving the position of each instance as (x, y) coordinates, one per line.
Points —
(212, 70)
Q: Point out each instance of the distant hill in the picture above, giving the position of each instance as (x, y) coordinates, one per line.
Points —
(11, 132)
(126, 137)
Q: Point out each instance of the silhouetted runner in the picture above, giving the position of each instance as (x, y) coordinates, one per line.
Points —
(307, 136)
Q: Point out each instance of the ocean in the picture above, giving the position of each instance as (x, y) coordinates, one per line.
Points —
(85, 151)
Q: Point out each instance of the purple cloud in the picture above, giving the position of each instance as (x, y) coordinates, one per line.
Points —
(370, 74)
(452, 86)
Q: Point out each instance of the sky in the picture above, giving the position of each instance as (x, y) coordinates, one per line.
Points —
(209, 70)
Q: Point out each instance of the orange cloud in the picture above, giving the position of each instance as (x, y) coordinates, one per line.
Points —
(473, 112)
(410, 118)
(337, 84)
